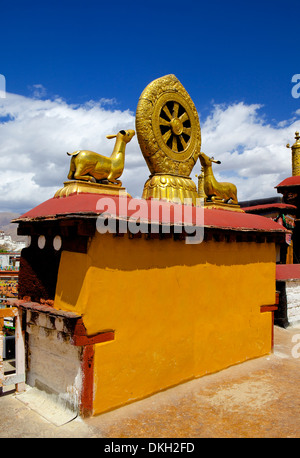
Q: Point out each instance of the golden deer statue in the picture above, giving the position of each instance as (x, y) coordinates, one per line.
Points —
(90, 166)
(214, 190)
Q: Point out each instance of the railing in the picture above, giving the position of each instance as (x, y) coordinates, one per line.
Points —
(17, 378)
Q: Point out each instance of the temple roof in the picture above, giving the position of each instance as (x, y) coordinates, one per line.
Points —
(271, 207)
(291, 181)
(152, 210)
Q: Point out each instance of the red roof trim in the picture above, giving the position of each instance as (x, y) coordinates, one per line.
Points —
(288, 272)
(153, 211)
(290, 181)
(270, 207)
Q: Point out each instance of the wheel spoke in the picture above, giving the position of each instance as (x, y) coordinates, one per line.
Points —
(167, 111)
(167, 135)
(184, 117)
(182, 141)
(187, 131)
(175, 136)
(174, 144)
(175, 109)
(163, 122)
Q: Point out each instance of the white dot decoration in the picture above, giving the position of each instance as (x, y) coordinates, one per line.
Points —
(57, 242)
(41, 241)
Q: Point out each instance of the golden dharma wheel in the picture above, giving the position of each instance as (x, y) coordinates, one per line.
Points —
(168, 128)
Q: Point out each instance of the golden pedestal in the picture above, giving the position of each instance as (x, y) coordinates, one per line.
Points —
(79, 187)
(171, 188)
(223, 206)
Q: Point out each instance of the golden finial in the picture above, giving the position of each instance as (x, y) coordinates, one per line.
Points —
(295, 155)
(297, 137)
(201, 192)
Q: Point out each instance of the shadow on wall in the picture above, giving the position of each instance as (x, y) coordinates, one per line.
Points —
(120, 254)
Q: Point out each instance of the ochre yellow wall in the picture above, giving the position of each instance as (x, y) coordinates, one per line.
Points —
(178, 311)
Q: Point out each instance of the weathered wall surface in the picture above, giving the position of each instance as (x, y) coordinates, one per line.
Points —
(178, 311)
(53, 363)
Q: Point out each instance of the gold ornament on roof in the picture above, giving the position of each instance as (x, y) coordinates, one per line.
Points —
(89, 166)
(91, 172)
(214, 190)
(295, 155)
(168, 131)
(201, 192)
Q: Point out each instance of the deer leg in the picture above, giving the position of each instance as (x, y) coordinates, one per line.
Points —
(214, 198)
(78, 176)
(118, 182)
(72, 170)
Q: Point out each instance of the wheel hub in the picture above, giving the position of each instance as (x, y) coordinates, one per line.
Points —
(177, 126)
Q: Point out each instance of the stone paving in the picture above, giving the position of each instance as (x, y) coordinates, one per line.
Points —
(259, 398)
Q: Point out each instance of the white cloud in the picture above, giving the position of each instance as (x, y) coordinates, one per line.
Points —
(253, 153)
(38, 91)
(35, 135)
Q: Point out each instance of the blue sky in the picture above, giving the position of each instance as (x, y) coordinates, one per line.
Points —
(225, 53)
(220, 50)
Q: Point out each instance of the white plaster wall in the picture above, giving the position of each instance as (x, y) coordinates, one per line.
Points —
(293, 300)
(54, 365)
(4, 260)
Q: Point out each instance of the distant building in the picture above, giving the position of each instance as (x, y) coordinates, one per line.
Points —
(285, 210)
(10, 252)
(281, 212)
(7, 244)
